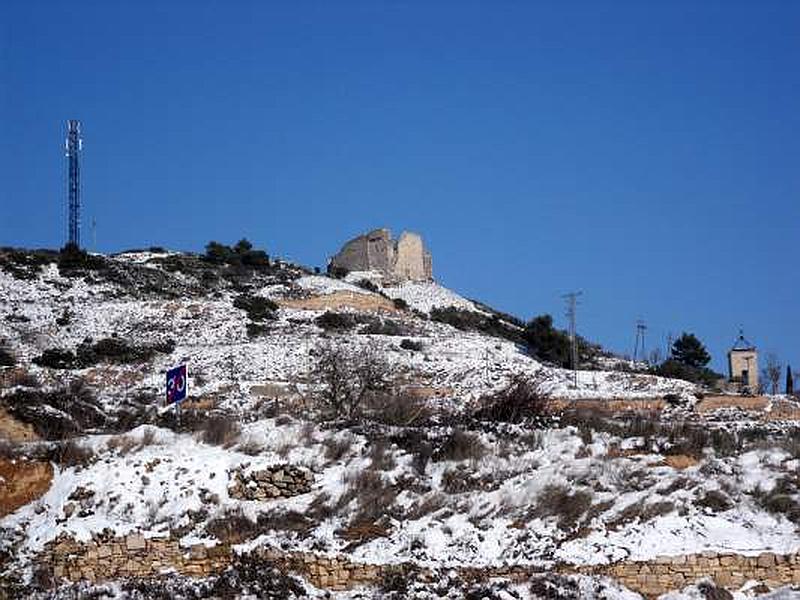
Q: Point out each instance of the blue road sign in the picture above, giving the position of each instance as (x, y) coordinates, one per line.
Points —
(177, 384)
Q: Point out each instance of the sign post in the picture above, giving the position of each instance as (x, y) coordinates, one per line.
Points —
(177, 388)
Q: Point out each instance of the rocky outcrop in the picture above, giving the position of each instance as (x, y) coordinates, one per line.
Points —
(283, 481)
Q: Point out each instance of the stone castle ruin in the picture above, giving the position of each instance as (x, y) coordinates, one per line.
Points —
(398, 260)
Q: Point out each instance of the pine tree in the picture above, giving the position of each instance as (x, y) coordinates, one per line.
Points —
(789, 381)
(690, 351)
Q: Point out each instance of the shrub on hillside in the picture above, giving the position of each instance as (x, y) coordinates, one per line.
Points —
(221, 430)
(469, 320)
(349, 378)
(568, 507)
(72, 261)
(241, 254)
(232, 527)
(60, 413)
(334, 321)
(384, 327)
(57, 358)
(551, 345)
(25, 264)
(6, 358)
(523, 399)
(337, 272)
(398, 410)
(675, 369)
(112, 350)
(414, 346)
(72, 454)
(256, 307)
(400, 304)
(460, 445)
(368, 285)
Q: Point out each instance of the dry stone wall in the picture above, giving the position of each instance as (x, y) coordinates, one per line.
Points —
(106, 558)
(282, 481)
(727, 570)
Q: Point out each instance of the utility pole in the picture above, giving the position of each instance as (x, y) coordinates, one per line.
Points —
(572, 303)
(640, 330)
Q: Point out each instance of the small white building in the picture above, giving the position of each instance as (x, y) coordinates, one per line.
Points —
(743, 365)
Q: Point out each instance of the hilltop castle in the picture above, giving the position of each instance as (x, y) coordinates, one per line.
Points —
(400, 260)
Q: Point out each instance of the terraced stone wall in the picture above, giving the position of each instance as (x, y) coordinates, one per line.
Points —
(135, 556)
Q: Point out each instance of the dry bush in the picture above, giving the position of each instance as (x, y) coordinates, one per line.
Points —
(679, 483)
(710, 591)
(429, 505)
(220, 430)
(8, 450)
(251, 447)
(381, 456)
(460, 445)
(148, 438)
(290, 520)
(640, 510)
(320, 508)
(72, 454)
(375, 497)
(336, 447)
(415, 442)
(282, 420)
(557, 501)
(349, 378)
(523, 399)
(399, 410)
(781, 499)
(459, 481)
(626, 477)
(715, 500)
(232, 527)
(123, 444)
(58, 414)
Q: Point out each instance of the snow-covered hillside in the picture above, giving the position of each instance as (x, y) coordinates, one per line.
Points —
(436, 472)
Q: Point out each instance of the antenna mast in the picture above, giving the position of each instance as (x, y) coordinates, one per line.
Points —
(74, 146)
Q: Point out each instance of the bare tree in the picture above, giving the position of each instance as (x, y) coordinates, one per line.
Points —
(349, 377)
(656, 356)
(772, 371)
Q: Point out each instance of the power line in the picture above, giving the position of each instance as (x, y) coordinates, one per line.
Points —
(572, 303)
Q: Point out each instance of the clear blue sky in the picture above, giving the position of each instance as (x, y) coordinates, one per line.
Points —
(647, 153)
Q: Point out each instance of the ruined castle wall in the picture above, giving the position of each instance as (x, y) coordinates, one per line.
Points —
(410, 259)
(373, 251)
(399, 260)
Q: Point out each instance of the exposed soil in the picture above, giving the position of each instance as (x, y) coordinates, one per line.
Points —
(22, 481)
(341, 299)
(12, 430)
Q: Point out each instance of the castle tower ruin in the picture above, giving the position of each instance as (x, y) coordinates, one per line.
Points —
(403, 259)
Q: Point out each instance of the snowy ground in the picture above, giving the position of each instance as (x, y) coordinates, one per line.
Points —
(445, 497)
(211, 335)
